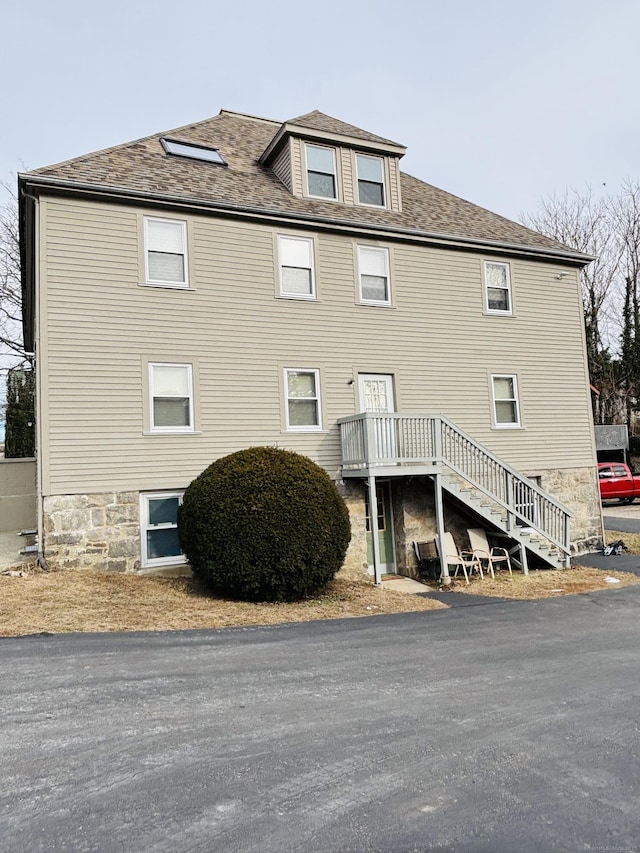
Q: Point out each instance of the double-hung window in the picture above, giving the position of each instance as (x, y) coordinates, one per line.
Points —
(373, 270)
(165, 252)
(370, 172)
(296, 267)
(497, 281)
(159, 529)
(302, 389)
(321, 171)
(171, 397)
(506, 409)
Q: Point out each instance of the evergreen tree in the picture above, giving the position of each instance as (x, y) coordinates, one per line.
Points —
(20, 436)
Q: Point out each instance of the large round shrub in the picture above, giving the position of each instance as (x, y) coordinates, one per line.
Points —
(264, 525)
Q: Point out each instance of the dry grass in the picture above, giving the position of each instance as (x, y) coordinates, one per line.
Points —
(85, 600)
(631, 540)
(544, 583)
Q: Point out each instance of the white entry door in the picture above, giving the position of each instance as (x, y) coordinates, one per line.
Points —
(376, 395)
(376, 392)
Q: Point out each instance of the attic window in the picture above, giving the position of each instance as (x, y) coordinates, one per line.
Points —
(193, 152)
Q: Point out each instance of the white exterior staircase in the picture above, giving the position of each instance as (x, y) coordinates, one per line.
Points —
(398, 445)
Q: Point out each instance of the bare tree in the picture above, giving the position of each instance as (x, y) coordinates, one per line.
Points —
(10, 287)
(624, 211)
(12, 352)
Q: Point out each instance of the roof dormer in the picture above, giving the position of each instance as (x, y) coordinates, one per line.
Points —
(317, 156)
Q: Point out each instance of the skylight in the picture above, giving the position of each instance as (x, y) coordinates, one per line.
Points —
(193, 152)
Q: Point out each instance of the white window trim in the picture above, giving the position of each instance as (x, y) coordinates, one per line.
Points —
(181, 285)
(384, 182)
(518, 423)
(335, 172)
(509, 311)
(146, 562)
(171, 430)
(386, 303)
(293, 427)
(283, 292)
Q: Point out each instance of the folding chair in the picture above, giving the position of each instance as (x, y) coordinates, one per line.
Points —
(460, 559)
(492, 556)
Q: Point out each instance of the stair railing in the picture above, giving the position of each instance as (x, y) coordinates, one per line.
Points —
(371, 441)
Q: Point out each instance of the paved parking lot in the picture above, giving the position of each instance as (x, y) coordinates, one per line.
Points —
(499, 727)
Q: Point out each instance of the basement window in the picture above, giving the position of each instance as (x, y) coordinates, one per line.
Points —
(159, 529)
(193, 152)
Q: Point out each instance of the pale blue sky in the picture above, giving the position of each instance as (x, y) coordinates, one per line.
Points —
(499, 102)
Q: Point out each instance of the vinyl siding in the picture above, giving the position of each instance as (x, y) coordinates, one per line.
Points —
(395, 199)
(282, 166)
(297, 168)
(100, 324)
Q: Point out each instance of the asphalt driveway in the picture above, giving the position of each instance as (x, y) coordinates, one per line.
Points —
(500, 727)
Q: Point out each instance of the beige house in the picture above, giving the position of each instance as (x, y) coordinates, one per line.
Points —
(241, 282)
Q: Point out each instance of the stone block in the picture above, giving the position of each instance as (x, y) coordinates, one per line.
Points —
(127, 498)
(101, 534)
(121, 514)
(97, 517)
(56, 539)
(123, 548)
(100, 500)
(71, 520)
(116, 565)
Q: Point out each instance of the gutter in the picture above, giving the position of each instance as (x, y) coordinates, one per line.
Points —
(320, 222)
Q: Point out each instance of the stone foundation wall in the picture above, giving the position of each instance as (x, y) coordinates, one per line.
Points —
(355, 564)
(100, 531)
(578, 490)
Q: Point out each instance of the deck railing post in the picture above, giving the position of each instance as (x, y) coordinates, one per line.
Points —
(508, 491)
(436, 427)
(370, 434)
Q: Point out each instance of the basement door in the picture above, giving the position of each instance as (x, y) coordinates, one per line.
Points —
(385, 530)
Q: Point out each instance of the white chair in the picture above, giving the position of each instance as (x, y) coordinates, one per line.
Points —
(494, 557)
(460, 559)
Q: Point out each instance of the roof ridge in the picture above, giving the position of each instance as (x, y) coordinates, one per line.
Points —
(249, 116)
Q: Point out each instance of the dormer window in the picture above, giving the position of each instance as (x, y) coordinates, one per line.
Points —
(321, 171)
(193, 152)
(370, 180)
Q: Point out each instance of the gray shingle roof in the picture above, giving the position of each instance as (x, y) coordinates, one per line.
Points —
(319, 121)
(143, 167)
